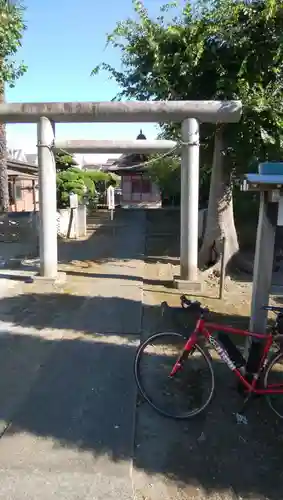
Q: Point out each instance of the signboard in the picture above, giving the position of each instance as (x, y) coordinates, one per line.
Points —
(111, 198)
(74, 202)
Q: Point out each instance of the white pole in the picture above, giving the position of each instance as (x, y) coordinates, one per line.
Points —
(189, 200)
(47, 200)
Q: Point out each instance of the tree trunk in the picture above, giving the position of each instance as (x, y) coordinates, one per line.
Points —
(4, 188)
(220, 217)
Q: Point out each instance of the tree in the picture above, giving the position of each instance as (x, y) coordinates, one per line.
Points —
(87, 184)
(11, 31)
(165, 172)
(101, 181)
(246, 40)
(64, 161)
(221, 49)
(73, 180)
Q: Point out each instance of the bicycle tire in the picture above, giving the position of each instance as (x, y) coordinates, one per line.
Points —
(270, 397)
(137, 362)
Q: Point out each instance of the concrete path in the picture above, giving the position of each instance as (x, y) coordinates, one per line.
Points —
(67, 395)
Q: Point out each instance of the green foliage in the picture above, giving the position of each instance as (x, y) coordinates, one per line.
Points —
(70, 180)
(87, 184)
(220, 49)
(165, 172)
(12, 27)
(101, 181)
(64, 161)
(73, 180)
(105, 177)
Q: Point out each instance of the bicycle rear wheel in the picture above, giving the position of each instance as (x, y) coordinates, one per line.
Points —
(189, 391)
(274, 377)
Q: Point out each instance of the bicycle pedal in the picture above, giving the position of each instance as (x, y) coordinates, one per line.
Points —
(241, 419)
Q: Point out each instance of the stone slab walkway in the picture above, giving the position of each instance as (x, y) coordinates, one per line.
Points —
(67, 394)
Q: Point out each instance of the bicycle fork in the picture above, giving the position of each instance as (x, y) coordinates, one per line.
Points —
(179, 364)
(188, 349)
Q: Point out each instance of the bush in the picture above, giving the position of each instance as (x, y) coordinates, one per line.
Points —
(90, 186)
(102, 180)
(74, 180)
(64, 161)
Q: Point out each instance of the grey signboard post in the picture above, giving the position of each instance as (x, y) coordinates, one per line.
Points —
(268, 270)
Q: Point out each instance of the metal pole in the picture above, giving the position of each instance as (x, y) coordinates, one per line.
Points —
(47, 200)
(223, 268)
(189, 200)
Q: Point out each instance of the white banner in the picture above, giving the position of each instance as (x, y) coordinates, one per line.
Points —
(111, 198)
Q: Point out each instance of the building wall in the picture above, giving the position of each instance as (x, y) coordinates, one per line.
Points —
(23, 196)
(147, 196)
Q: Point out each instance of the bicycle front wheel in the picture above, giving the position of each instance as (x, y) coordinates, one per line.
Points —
(185, 394)
(273, 379)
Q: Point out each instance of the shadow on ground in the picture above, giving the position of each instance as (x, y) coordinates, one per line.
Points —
(212, 454)
(80, 386)
(161, 229)
(125, 277)
(105, 242)
(163, 242)
(90, 315)
(100, 314)
(162, 238)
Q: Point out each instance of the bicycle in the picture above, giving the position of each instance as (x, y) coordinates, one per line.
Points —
(191, 353)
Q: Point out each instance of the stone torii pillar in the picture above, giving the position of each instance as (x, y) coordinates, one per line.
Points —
(47, 200)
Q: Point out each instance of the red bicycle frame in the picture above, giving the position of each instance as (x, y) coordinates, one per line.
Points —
(205, 328)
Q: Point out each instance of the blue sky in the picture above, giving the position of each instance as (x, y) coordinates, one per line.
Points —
(64, 40)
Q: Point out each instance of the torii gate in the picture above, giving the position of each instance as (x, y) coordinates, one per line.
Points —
(190, 113)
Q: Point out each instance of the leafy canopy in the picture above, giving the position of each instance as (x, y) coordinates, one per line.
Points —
(64, 161)
(216, 49)
(12, 27)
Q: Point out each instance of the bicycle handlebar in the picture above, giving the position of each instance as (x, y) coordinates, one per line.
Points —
(185, 301)
(192, 305)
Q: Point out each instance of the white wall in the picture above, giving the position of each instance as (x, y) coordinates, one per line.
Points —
(72, 222)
